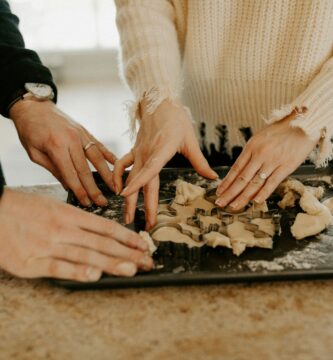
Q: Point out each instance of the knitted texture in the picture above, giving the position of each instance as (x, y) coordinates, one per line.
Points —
(238, 63)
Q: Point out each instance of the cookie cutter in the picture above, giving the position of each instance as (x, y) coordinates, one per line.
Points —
(224, 218)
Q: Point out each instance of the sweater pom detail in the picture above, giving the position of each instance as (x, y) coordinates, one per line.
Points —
(323, 152)
(154, 96)
(284, 111)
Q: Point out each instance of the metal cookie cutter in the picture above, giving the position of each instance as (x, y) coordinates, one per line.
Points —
(224, 219)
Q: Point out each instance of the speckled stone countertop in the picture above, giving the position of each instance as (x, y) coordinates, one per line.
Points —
(291, 320)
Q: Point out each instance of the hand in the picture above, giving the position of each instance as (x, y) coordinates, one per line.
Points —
(41, 237)
(162, 134)
(56, 142)
(267, 159)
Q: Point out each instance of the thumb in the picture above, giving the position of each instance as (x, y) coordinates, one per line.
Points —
(199, 162)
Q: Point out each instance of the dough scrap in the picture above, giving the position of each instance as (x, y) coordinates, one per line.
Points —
(329, 204)
(292, 189)
(317, 215)
(186, 192)
(316, 218)
(151, 246)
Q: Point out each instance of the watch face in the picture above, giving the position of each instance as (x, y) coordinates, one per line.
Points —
(42, 91)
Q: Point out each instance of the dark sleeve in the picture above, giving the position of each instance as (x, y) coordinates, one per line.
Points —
(17, 64)
(2, 181)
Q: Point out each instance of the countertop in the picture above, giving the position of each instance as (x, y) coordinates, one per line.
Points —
(290, 320)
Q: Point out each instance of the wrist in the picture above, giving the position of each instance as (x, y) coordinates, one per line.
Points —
(25, 105)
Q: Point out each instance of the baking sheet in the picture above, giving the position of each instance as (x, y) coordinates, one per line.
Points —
(290, 259)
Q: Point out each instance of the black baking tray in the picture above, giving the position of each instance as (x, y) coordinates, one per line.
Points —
(290, 259)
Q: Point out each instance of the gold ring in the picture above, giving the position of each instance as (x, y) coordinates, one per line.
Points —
(90, 144)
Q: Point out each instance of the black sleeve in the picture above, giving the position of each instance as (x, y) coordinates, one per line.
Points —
(2, 181)
(17, 64)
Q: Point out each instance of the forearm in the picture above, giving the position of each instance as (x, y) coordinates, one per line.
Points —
(17, 64)
(150, 50)
(314, 108)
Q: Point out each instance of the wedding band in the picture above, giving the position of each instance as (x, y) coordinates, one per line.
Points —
(91, 143)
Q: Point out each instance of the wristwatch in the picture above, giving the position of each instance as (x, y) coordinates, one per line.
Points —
(33, 91)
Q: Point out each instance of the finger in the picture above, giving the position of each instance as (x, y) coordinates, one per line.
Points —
(271, 184)
(150, 192)
(119, 168)
(253, 187)
(104, 245)
(151, 168)
(60, 269)
(107, 154)
(240, 182)
(131, 200)
(96, 158)
(102, 226)
(43, 160)
(198, 161)
(65, 165)
(234, 171)
(86, 177)
(108, 264)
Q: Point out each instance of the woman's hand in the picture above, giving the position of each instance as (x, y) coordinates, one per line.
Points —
(57, 143)
(267, 159)
(162, 134)
(41, 237)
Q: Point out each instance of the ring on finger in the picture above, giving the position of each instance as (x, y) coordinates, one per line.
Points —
(259, 178)
(89, 145)
(262, 175)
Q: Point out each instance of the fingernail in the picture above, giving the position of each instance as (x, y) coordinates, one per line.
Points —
(101, 200)
(234, 205)
(219, 191)
(215, 174)
(258, 200)
(93, 274)
(124, 191)
(116, 189)
(146, 262)
(86, 202)
(219, 202)
(126, 269)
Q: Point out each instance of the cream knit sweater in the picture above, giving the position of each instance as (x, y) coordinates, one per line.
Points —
(237, 64)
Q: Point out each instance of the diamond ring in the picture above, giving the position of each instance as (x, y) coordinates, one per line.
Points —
(262, 176)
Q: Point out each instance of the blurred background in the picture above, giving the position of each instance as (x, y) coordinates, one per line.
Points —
(78, 41)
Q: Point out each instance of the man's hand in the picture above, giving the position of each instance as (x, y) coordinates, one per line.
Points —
(56, 142)
(41, 237)
(162, 134)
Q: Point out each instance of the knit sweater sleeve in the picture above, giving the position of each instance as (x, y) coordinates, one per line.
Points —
(314, 108)
(150, 50)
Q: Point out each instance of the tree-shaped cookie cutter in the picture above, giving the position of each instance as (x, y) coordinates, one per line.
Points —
(224, 219)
